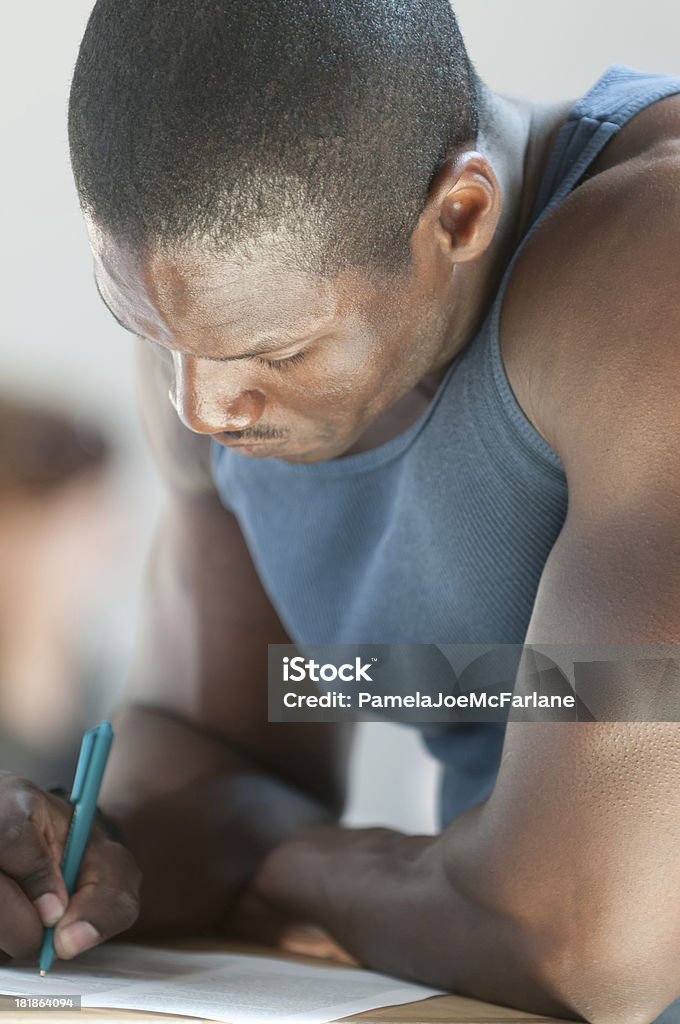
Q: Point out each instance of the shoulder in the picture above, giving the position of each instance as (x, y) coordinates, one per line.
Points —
(182, 456)
(591, 322)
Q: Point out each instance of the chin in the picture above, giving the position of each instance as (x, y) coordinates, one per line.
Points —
(310, 455)
(273, 450)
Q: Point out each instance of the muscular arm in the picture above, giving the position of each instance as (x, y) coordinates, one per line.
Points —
(559, 893)
(200, 784)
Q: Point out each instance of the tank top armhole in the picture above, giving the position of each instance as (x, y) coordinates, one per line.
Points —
(592, 122)
(500, 392)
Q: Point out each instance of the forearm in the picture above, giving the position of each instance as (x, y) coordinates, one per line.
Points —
(197, 815)
(395, 904)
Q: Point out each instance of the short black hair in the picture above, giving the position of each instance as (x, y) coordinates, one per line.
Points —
(220, 119)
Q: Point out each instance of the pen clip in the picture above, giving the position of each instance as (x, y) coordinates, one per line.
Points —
(86, 751)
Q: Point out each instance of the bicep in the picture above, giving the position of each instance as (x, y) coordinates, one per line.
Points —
(611, 582)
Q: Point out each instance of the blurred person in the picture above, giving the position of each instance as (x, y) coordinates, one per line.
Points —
(57, 539)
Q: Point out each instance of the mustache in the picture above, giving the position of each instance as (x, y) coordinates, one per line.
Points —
(254, 434)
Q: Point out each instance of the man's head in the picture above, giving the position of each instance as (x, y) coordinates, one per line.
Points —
(221, 120)
(254, 176)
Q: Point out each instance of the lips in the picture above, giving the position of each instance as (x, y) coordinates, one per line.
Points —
(256, 447)
(239, 444)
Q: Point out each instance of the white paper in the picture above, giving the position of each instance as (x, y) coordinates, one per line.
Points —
(218, 986)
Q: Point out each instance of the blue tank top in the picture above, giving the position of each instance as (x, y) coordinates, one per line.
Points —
(440, 535)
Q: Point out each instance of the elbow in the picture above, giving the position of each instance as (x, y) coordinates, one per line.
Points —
(607, 977)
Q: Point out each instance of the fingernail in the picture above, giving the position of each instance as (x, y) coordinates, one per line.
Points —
(76, 938)
(50, 908)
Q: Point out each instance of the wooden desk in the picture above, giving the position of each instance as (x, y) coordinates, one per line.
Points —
(438, 1010)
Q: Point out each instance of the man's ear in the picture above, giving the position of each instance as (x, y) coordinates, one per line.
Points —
(463, 207)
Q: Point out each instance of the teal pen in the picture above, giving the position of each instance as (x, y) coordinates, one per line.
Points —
(94, 754)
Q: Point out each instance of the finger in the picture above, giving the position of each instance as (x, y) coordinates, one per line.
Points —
(29, 843)
(21, 930)
(255, 920)
(106, 900)
(308, 940)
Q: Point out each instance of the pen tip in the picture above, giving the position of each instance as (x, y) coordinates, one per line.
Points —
(43, 974)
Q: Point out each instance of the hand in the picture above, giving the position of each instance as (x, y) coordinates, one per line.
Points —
(279, 907)
(361, 888)
(290, 898)
(255, 920)
(310, 940)
(33, 830)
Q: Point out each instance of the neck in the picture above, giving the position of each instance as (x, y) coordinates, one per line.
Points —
(516, 136)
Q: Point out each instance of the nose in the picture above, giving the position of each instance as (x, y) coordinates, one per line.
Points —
(208, 399)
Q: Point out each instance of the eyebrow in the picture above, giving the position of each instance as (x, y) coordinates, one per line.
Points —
(220, 359)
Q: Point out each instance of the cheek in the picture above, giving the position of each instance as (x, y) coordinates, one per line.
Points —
(333, 381)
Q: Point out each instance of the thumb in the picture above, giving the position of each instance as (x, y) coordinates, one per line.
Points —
(106, 900)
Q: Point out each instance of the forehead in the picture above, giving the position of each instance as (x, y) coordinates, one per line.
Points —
(189, 291)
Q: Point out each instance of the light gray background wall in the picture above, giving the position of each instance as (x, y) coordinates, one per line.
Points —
(57, 341)
(555, 49)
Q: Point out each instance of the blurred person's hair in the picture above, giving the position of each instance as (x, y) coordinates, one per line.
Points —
(43, 449)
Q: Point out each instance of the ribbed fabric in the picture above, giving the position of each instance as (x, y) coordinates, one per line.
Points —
(439, 536)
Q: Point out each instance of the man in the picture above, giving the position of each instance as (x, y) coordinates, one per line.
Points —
(314, 215)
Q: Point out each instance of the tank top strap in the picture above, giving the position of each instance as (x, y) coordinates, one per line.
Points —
(616, 97)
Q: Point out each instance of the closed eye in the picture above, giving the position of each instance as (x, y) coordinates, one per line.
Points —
(279, 364)
(276, 364)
